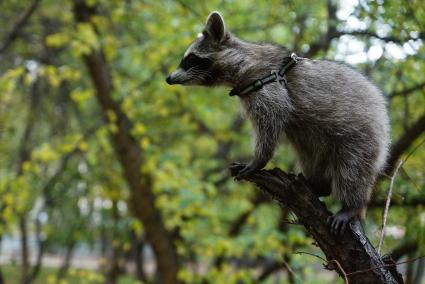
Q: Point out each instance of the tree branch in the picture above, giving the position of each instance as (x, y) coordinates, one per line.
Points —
(323, 43)
(19, 25)
(275, 267)
(403, 249)
(404, 142)
(407, 91)
(351, 250)
(411, 202)
(368, 33)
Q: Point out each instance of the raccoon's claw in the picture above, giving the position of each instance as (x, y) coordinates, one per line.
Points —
(337, 224)
(241, 171)
(339, 221)
(245, 172)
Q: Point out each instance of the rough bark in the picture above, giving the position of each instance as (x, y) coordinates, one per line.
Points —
(142, 200)
(358, 260)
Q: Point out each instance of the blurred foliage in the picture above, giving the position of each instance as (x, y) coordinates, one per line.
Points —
(76, 276)
(71, 181)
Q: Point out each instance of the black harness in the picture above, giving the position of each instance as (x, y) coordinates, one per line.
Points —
(275, 76)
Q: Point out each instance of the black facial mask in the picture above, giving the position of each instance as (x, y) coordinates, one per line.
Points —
(194, 61)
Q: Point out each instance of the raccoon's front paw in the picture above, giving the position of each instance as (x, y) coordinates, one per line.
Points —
(239, 171)
(245, 172)
(249, 169)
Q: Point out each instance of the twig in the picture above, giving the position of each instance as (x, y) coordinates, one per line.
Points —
(340, 269)
(407, 91)
(312, 254)
(328, 262)
(387, 206)
(289, 269)
(414, 150)
(390, 191)
(275, 267)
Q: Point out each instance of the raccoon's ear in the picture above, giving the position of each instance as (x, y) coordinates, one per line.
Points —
(215, 27)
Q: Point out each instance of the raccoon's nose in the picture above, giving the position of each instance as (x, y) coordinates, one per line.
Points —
(168, 79)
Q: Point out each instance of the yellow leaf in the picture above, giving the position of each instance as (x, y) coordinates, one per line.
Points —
(137, 227)
(83, 146)
(28, 79)
(45, 154)
(139, 129)
(51, 279)
(145, 142)
(81, 96)
(8, 198)
(53, 76)
(126, 247)
(112, 116)
(112, 128)
(26, 166)
(86, 34)
(57, 40)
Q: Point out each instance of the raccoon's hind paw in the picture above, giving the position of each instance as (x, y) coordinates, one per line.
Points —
(339, 221)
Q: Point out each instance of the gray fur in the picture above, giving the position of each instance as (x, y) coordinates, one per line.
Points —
(334, 118)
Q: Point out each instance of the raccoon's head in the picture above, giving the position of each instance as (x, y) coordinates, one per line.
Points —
(201, 63)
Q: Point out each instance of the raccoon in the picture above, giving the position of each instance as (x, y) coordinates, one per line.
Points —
(334, 118)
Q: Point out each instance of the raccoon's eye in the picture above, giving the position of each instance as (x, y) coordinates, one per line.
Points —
(191, 56)
(193, 60)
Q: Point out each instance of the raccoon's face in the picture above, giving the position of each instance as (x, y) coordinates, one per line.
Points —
(198, 66)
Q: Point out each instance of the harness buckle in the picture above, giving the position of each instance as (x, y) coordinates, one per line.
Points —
(279, 78)
(294, 57)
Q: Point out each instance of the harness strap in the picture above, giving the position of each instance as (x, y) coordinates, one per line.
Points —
(275, 76)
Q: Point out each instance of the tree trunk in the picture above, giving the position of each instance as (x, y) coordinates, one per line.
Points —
(137, 246)
(1, 273)
(23, 156)
(113, 269)
(41, 249)
(420, 268)
(350, 254)
(410, 270)
(24, 250)
(128, 151)
(63, 270)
